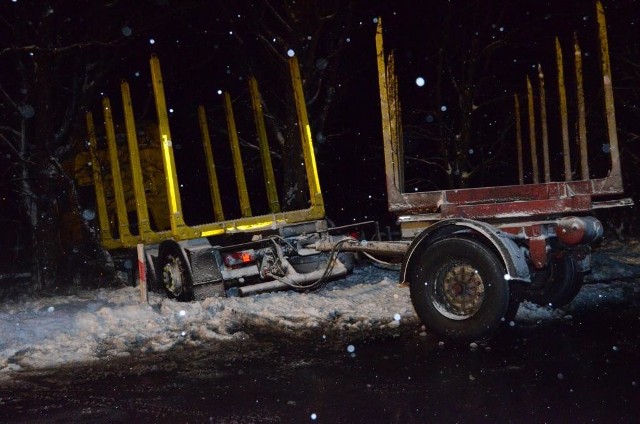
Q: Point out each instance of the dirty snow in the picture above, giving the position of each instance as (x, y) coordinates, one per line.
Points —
(101, 324)
(105, 323)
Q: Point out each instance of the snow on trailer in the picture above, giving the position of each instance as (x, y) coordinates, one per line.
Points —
(478, 252)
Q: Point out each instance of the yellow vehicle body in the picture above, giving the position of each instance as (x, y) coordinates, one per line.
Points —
(81, 168)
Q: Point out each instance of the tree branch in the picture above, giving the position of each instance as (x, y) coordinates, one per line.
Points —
(58, 50)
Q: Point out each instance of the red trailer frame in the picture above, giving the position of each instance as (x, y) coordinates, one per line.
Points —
(505, 202)
(477, 253)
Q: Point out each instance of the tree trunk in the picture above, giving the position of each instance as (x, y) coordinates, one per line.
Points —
(39, 200)
(46, 254)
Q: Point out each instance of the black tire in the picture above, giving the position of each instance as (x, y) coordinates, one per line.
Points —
(558, 284)
(174, 271)
(459, 291)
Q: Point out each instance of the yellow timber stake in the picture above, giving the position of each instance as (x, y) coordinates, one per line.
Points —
(179, 229)
(121, 206)
(562, 99)
(396, 121)
(582, 119)
(543, 127)
(265, 154)
(317, 203)
(142, 212)
(610, 113)
(532, 133)
(238, 167)
(101, 203)
(516, 101)
(211, 166)
(389, 106)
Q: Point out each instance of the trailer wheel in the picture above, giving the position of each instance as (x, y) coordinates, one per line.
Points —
(175, 273)
(459, 291)
(560, 283)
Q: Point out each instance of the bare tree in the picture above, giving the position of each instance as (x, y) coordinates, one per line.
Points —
(267, 34)
(53, 56)
(458, 119)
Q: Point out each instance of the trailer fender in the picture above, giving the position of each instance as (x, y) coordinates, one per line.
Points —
(502, 243)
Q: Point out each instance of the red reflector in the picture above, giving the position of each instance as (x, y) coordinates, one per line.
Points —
(239, 258)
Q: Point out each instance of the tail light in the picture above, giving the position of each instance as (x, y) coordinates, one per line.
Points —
(239, 258)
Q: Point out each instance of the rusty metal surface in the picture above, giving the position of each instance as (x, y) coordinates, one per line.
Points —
(527, 200)
(518, 209)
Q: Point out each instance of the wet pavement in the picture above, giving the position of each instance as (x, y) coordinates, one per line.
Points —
(586, 369)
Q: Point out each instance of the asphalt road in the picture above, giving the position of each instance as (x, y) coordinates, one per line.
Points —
(580, 370)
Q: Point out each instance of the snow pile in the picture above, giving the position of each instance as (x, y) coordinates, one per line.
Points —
(113, 323)
(101, 324)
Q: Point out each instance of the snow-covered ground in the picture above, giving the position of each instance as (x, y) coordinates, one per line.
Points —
(99, 324)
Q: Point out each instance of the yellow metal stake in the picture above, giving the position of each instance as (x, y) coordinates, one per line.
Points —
(610, 113)
(543, 127)
(121, 206)
(389, 108)
(562, 98)
(98, 183)
(211, 166)
(142, 212)
(305, 135)
(265, 154)
(395, 124)
(516, 101)
(582, 119)
(241, 183)
(532, 133)
(178, 227)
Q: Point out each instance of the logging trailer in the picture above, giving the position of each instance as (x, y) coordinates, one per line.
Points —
(469, 256)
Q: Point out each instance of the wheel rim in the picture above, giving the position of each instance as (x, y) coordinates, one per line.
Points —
(173, 275)
(458, 291)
